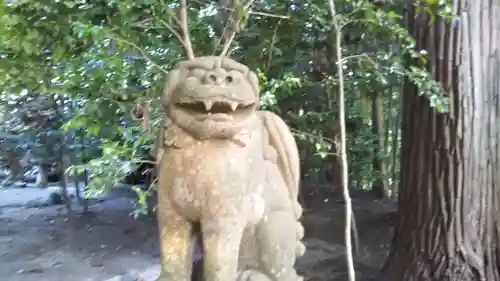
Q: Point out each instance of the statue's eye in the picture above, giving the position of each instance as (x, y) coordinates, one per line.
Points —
(235, 76)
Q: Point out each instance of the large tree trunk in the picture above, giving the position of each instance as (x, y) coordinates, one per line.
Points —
(447, 228)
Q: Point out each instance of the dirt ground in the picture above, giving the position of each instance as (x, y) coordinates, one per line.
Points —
(40, 244)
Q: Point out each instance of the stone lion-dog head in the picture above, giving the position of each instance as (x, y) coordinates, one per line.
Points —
(211, 97)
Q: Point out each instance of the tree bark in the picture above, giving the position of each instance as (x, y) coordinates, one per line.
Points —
(380, 186)
(447, 228)
(395, 152)
(16, 168)
(42, 178)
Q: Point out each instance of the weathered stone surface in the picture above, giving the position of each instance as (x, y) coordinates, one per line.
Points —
(233, 169)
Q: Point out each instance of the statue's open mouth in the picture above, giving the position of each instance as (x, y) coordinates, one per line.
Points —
(209, 107)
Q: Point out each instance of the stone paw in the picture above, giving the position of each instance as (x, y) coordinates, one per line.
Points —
(163, 278)
(253, 275)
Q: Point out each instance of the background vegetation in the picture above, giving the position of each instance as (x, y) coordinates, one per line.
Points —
(98, 61)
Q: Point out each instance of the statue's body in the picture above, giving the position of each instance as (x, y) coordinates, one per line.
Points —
(233, 169)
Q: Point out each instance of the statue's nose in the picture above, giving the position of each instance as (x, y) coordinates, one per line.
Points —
(217, 78)
(212, 78)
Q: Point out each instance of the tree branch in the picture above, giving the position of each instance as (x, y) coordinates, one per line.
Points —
(142, 52)
(232, 26)
(342, 146)
(271, 47)
(185, 30)
(268, 15)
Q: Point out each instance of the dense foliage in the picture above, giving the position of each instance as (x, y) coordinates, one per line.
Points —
(108, 58)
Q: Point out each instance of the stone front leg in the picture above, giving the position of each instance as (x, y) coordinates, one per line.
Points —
(221, 242)
(175, 241)
(277, 242)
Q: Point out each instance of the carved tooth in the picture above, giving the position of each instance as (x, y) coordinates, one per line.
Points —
(233, 105)
(208, 104)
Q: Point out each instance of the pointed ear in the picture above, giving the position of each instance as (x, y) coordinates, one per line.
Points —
(254, 82)
(171, 82)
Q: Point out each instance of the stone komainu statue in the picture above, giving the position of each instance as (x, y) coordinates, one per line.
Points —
(231, 168)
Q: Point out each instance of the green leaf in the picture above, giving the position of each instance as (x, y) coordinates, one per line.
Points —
(394, 15)
(94, 129)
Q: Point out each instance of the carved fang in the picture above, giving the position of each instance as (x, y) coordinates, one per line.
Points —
(233, 105)
(208, 104)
